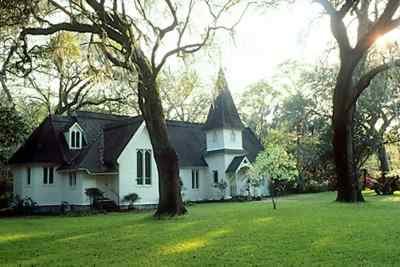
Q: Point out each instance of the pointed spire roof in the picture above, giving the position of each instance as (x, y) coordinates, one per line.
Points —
(223, 112)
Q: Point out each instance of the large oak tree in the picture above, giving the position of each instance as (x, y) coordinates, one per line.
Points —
(375, 18)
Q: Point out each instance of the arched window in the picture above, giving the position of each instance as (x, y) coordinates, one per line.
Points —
(78, 139)
(73, 144)
(139, 167)
(195, 179)
(147, 160)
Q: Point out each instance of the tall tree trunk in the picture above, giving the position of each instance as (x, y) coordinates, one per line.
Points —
(170, 199)
(348, 188)
(383, 159)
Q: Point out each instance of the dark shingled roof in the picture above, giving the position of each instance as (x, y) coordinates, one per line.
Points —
(223, 112)
(235, 163)
(189, 141)
(107, 135)
(117, 137)
(251, 144)
(43, 145)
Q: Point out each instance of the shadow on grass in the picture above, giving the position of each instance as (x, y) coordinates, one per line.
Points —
(304, 232)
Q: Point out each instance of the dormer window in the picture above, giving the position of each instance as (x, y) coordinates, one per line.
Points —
(75, 137)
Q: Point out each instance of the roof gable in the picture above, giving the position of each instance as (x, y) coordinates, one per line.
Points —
(235, 163)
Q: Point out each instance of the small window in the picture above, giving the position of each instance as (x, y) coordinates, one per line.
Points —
(45, 175)
(215, 176)
(28, 176)
(72, 179)
(195, 179)
(139, 167)
(48, 175)
(51, 175)
(147, 161)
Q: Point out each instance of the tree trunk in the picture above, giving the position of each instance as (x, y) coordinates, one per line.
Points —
(383, 159)
(170, 199)
(300, 177)
(348, 188)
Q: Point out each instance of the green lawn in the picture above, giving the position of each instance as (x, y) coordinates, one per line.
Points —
(305, 230)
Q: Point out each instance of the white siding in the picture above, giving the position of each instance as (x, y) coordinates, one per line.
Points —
(43, 194)
(232, 139)
(217, 162)
(224, 139)
(195, 194)
(215, 140)
(127, 170)
(73, 194)
(54, 194)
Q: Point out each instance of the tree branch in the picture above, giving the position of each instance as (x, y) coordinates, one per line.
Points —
(366, 79)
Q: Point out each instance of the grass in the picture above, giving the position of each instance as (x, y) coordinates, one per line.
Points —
(308, 230)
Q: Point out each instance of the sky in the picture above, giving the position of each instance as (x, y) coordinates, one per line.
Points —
(264, 40)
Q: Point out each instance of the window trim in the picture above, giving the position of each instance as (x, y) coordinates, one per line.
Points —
(72, 179)
(75, 137)
(145, 166)
(139, 166)
(48, 176)
(195, 179)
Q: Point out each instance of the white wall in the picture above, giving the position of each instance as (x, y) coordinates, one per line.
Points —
(224, 139)
(127, 169)
(232, 139)
(73, 194)
(216, 161)
(54, 194)
(194, 194)
(43, 194)
(215, 140)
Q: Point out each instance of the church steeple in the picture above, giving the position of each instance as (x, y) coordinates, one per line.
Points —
(223, 113)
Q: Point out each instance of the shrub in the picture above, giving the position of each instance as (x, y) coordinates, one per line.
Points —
(221, 186)
(94, 194)
(23, 206)
(282, 187)
(313, 186)
(5, 193)
(131, 198)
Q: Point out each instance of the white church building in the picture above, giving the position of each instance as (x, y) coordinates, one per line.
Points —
(66, 155)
